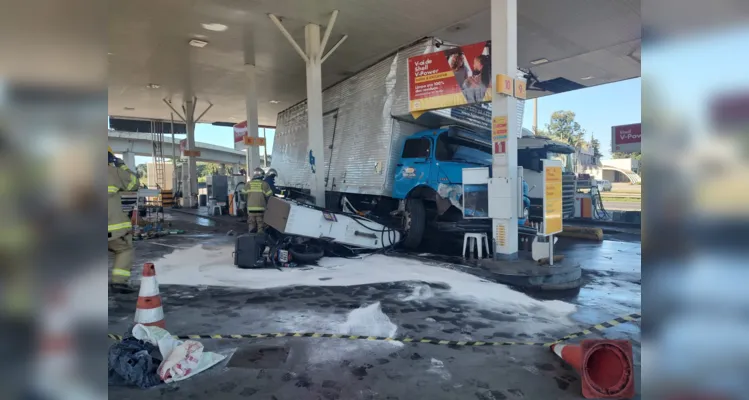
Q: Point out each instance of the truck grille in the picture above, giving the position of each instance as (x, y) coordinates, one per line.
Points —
(568, 195)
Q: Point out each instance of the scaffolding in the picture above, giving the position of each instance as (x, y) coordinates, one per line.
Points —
(157, 140)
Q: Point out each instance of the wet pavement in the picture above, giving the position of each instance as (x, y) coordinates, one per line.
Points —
(322, 368)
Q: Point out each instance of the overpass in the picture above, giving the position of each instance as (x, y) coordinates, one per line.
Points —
(130, 144)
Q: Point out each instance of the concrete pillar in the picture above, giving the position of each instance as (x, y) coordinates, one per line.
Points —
(128, 157)
(504, 165)
(314, 112)
(191, 190)
(253, 152)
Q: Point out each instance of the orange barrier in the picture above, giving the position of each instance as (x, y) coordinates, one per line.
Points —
(604, 365)
(149, 310)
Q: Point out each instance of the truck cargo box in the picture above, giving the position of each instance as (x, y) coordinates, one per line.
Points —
(365, 120)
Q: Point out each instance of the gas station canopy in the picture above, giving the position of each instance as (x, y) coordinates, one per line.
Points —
(565, 44)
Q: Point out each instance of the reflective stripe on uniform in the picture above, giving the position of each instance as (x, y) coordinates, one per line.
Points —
(122, 225)
(120, 272)
(261, 209)
(113, 189)
(269, 192)
(133, 182)
(256, 187)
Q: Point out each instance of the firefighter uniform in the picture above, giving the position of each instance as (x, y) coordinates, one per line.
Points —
(120, 227)
(258, 193)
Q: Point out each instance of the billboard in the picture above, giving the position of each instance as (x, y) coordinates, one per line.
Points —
(626, 138)
(453, 77)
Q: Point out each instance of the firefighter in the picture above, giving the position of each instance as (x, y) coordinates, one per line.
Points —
(120, 178)
(270, 177)
(258, 192)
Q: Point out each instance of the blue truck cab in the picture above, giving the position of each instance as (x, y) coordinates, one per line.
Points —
(431, 165)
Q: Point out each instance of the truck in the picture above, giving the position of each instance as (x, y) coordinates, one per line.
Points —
(381, 160)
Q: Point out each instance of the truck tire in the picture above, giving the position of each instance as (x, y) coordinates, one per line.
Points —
(306, 253)
(415, 223)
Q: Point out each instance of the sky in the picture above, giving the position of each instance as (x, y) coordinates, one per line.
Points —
(597, 109)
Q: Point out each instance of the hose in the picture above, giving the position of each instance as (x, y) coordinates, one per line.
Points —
(599, 212)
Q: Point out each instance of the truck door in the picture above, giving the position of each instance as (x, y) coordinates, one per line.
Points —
(413, 167)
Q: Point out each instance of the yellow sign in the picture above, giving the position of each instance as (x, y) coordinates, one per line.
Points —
(552, 198)
(254, 141)
(504, 84)
(499, 128)
(520, 89)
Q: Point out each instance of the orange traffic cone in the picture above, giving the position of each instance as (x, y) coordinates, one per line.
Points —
(148, 310)
(604, 365)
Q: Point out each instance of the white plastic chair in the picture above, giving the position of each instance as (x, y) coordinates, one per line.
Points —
(477, 241)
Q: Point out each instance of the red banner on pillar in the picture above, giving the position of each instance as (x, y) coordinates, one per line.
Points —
(240, 132)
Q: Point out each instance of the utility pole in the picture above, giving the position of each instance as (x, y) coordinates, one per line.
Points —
(535, 116)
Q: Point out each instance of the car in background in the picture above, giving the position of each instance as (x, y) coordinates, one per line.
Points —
(604, 185)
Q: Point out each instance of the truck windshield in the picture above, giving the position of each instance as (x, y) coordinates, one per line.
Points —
(461, 150)
(566, 159)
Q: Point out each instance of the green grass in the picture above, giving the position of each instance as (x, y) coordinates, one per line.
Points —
(621, 199)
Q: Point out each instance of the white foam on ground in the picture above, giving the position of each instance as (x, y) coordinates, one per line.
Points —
(365, 321)
(370, 321)
(200, 265)
(420, 293)
(438, 367)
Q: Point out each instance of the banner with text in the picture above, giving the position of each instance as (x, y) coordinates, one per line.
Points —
(454, 77)
(552, 190)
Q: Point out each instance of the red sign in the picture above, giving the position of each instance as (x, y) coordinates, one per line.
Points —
(454, 77)
(240, 131)
(500, 147)
(626, 138)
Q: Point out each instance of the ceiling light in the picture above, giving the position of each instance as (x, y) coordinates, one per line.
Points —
(129, 109)
(153, 86)
(539, 61)
(215, 27)
(198, 43)
(274, 102)
(586, 78)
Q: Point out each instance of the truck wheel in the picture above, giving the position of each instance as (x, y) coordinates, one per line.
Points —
(414, 223)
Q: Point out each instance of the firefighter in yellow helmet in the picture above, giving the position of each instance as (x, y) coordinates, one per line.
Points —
(258, 192)
(120, 178)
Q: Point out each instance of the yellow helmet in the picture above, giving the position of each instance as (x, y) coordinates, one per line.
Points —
(110, 149)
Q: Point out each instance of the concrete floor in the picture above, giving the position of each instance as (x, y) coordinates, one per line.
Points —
(309, 368)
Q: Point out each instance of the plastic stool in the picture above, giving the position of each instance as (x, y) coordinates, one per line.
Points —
(213, 209)
(479, 246)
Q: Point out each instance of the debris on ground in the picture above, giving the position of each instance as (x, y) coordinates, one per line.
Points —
(130, 363)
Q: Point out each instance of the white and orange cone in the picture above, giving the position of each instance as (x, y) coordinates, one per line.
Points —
(148, 310)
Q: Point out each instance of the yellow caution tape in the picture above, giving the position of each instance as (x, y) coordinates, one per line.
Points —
(594, 328)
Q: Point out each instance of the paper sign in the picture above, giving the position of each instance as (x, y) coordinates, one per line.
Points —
(552, 181)
(504, 84)
(520, 89)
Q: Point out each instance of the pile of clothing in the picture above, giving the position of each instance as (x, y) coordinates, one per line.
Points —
(134, 361)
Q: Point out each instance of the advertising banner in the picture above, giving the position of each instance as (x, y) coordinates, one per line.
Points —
(626, 138)
(240, 132)
(552, 180)
(453, 77)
